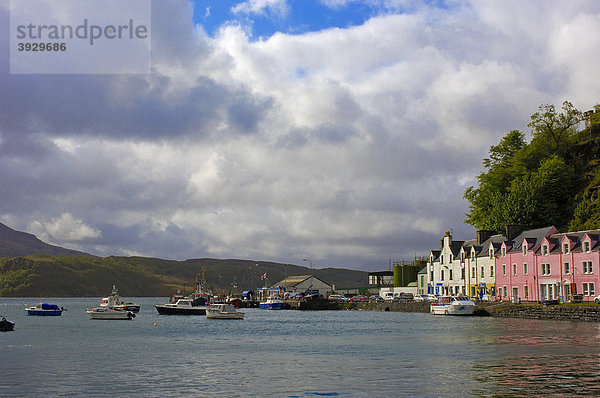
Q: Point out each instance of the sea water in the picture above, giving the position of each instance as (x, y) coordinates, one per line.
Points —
(292, 354)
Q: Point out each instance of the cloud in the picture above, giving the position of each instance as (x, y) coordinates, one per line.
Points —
(349, 146)
(64, 228)
(261, 7)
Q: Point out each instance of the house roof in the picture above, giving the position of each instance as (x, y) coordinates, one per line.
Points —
(292, 281)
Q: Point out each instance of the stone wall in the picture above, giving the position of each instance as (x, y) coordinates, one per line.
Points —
(568, 312)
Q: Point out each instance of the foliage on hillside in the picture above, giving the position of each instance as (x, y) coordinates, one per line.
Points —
(81, 276)
(552, 180)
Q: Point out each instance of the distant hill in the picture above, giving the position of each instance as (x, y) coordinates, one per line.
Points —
(15, 243)
(32, 268)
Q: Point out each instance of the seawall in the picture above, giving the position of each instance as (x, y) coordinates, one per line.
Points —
(566, 312)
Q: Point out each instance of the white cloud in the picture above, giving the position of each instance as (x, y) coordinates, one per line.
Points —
(277, 7)
(64, 228)
(346, 145)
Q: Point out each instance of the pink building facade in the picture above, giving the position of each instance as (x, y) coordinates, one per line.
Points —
(547, 265)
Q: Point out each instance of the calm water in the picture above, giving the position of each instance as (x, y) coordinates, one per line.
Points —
(293, 354)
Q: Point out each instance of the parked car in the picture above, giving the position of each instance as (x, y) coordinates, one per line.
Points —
(421, 298)
(432, 298)
(337, 297)
(360, 297)
(388, 296)
(375, 298)
(310, 297)
(405, 296)
(597, 299)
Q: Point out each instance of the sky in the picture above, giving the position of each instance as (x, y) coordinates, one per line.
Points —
(343, 132)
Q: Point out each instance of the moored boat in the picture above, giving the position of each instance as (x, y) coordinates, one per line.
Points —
(45, 309)
(453, 305)
(223, 311)
(109, 313)
(6, 325)
(183, 306)
(114, 301)
(272, 303)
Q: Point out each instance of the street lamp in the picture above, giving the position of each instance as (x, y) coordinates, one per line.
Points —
(309, 262)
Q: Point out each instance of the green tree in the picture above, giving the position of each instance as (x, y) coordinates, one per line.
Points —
(558, 128)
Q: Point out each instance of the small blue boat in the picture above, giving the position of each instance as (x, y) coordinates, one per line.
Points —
(272, 303)
(45, 309)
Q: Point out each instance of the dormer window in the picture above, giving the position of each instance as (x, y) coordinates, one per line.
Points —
(524, 248)
(565, 248)
(586, 246)
(491, 252)
(503, 251)
(544, 250)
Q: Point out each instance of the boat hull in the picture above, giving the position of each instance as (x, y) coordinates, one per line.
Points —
(110, 314)
(6, 325)
(452, 309)
(271, 306)
(44, 312)
(168, 310)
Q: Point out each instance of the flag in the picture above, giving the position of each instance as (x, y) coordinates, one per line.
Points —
(264, 276)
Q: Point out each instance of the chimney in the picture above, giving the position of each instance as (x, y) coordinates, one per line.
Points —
(512, 231)
(483, 235)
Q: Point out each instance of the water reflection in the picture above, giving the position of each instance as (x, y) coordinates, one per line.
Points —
(535, 358)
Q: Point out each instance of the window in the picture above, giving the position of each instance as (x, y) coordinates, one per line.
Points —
(525, 269)
(482, 272)
(567, 268)
(504, 269)
(524, 248)
(544, 250)
(462, 273)
(586, 247)
(526, 291)
(565, 248)
(503, 251)
(588, 289)
(462, 257)
(472, 255)
(431, 274)
(492, 271)
(451, 275)
(451, 257)
(505, 290)
(545, 269)
(587, 267)
(514, 269)
(473, 271)
(491, 252)
(442, 274)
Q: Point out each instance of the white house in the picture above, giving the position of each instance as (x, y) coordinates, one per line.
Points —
(305, 283)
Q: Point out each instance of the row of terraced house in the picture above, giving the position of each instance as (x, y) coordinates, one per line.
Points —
(518, 265)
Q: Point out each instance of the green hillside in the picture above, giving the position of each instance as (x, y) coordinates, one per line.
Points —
(82, 276)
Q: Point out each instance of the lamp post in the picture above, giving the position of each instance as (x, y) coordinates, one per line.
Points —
(309, 262)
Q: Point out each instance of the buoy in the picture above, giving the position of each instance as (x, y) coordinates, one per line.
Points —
(155, 325)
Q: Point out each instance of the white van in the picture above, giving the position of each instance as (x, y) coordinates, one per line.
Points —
(388, 296)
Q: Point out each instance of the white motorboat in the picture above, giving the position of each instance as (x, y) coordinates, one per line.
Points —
(453, 305)
(109, 313)
(223, 311)
(114, 301)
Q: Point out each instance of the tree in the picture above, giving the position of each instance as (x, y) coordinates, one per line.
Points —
(547, 125)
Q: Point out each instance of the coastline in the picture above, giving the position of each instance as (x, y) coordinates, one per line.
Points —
(563, 312)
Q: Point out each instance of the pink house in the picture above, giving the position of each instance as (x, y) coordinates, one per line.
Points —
(543, 265)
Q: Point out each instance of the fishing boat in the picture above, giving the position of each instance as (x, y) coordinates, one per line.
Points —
(6, 325)
(194, 304)
(272, 303)
(453, 305)
(183, 306)
(223, 311)
(45, 309)
(114, 301)
(107, 313)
